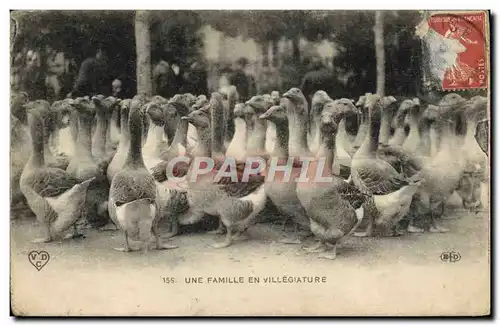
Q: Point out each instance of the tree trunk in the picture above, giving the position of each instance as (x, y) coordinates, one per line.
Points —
(378, 31)
(296, 48)
(275, 53)
(143, 51)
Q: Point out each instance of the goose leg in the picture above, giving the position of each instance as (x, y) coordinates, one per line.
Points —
(109, 227)
(330, 252)
(47, 238)
(219, 230)
(228, 240)
(435, 228)
(75, 234)
(127, 247)
(174, 229)
(369, 228)
(163, 246)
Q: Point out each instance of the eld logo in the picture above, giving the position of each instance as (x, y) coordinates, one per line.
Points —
(38, 259)
(450, 257)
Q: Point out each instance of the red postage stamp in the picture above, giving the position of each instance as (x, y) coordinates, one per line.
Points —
(457, 49)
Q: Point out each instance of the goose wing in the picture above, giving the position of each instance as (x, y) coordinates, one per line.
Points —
(51, 182)
(128, 186)
(401, 160)
(379, 178)
(242, 189)
(351, 194)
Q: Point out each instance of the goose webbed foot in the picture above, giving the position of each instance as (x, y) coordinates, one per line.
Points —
(330, 253)
(289, 240)
(227, 242)
(438, 229)
(413, 229)
(397, 231)
(220, 229)
(318, 247)
(42, 240)
(108, 227)
(127, 247)
(362, 234)
(164, 246)
(240, 236)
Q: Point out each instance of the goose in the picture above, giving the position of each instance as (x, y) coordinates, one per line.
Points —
(392, 192)
(282, 193)
(362, 125)
(476, 160)
(84, 166)
(54, 196)
(121, 152)
(335, 208)
(319, 99)
(155, 142)
(62, 129)
(132, 196)
(237, 146)
(298, 122)
(103, 146)
(342, 160)
(230, 98)
(256, 140)
(398, 123)
(178, 147)
(442, 172)
(271, 129)
(51, 124)
(236, 204)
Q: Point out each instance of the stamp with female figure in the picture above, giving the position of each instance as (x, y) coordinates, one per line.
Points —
(456, 46)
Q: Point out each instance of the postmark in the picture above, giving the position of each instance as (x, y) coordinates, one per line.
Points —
(455, 50)
(38, 259)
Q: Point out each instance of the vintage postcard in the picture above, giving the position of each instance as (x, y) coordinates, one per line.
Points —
(250, 163)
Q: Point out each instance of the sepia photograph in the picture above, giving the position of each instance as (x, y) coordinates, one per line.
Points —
(250, 163)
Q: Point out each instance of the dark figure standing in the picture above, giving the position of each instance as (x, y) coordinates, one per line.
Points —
(93, 77)
(320, 78)
(196, 79)
(241, 80)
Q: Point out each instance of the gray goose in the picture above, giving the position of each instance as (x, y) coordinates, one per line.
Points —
(84, 166)
(392, 192)
(280, 192)
(54, 196)
(335, 207)
(132, 198)
(235, 203)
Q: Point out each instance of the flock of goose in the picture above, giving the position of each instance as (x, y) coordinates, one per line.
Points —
(102, 162)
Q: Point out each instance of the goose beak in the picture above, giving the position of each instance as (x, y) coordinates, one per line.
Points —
(187, 118)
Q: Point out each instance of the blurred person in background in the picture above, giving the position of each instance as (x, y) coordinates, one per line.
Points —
(32, 76)
(117, 89)
(196, 78)
(241, 80)
(320, 77)
(225, 75)
(93, 77)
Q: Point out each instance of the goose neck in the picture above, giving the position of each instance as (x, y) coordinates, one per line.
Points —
(385, 129)
(84, 144)
(180, 136)
(36, 132)
(370, 143)
(134, 155)
(203, 146)
(101, 135)
(258, 136)
(282, 138)
(298, 135)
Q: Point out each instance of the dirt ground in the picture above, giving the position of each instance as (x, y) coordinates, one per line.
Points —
(371, 276)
